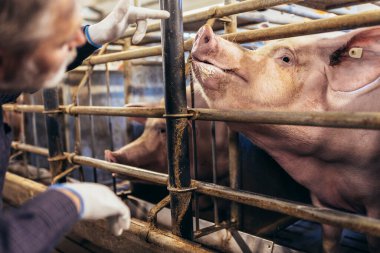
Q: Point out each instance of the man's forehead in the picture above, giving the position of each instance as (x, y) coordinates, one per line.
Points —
(65, 17)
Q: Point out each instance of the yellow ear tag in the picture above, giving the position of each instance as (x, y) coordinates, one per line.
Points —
(356, 52)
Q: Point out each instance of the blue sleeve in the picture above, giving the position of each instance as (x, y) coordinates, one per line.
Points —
(82, 53)
(38, 225)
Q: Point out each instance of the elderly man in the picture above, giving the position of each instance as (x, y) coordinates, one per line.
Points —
(39, 38)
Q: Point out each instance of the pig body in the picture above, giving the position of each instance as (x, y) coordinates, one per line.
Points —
(340, 167)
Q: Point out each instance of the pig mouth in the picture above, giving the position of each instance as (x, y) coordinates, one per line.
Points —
(213, 71)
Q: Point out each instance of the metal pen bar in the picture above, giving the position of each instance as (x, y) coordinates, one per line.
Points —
(108, 95)
(214, 170)
(195, 148)
(220, 12)
(92, 131)
(359, 120)
(23, 108)
(54, 120)
(127, 90)
(233, 140)
(35, 135)
(151, 112)
(322, 215)
(368, 18)
(23, 139)
(177, 132)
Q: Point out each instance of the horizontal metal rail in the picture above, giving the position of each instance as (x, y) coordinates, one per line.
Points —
(220, 12)
(368, 18)
(322, 215)
(17, 190)
(360, 120)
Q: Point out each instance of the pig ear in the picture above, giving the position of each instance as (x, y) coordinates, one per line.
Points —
(355, 61)
(139, 120)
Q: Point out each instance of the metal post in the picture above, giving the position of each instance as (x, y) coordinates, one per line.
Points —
(92, 132)
(233, 140)
(176, 111)
(54, 121)
(127, 89)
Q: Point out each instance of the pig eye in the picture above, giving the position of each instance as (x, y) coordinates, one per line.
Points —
(286, 59)
(162, 130)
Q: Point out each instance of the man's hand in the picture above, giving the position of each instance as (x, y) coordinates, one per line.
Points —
(96, 201)
(116, 23)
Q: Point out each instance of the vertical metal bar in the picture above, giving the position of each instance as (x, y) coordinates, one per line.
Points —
(195, 151)
(92, 133)
(54, 121)
(214, 170)
(233, 145)
(23, 140)
(66, 101)
(127, 89)
(108, 84)
(175, 101)
(35, 135)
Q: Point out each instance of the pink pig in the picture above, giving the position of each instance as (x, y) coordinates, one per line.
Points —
(340, 167)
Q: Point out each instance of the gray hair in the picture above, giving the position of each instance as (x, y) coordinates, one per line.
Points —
(22, 27)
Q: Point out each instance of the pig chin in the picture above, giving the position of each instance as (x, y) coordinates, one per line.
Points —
(213, 78)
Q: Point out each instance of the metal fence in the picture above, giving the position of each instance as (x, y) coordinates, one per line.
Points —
(178, 181)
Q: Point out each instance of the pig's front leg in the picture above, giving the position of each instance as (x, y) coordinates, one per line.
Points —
(330, 235)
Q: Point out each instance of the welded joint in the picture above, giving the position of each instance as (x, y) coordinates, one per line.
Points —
(68, 109)
(153, 212)
(195, 114)
(70, 157)
(181, 190)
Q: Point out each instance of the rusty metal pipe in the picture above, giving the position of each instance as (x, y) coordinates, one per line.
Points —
(360, 120)
(23, 108)
(17, 190)
(220, 12)
(368, 18)
(54, 121)
(322, 215)
(233, 139)
(177, 134)
(151, 112)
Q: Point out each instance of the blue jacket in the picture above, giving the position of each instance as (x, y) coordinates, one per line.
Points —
(38, 225)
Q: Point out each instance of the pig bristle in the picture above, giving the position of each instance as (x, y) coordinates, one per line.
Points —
(336, 56)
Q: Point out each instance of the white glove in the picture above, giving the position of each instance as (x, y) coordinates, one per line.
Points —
(97, 202)
(116, 23)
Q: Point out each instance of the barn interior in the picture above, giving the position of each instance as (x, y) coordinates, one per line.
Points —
(247, 202)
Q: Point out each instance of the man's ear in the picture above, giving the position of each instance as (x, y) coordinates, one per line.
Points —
(355, 61)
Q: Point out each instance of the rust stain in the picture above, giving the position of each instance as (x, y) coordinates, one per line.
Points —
(179, 130)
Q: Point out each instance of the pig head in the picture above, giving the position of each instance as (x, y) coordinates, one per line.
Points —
(149, 150)
(341, 167)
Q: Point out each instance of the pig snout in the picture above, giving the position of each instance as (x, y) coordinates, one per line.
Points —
(204, 44)
(109, 156)
(217, 61)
